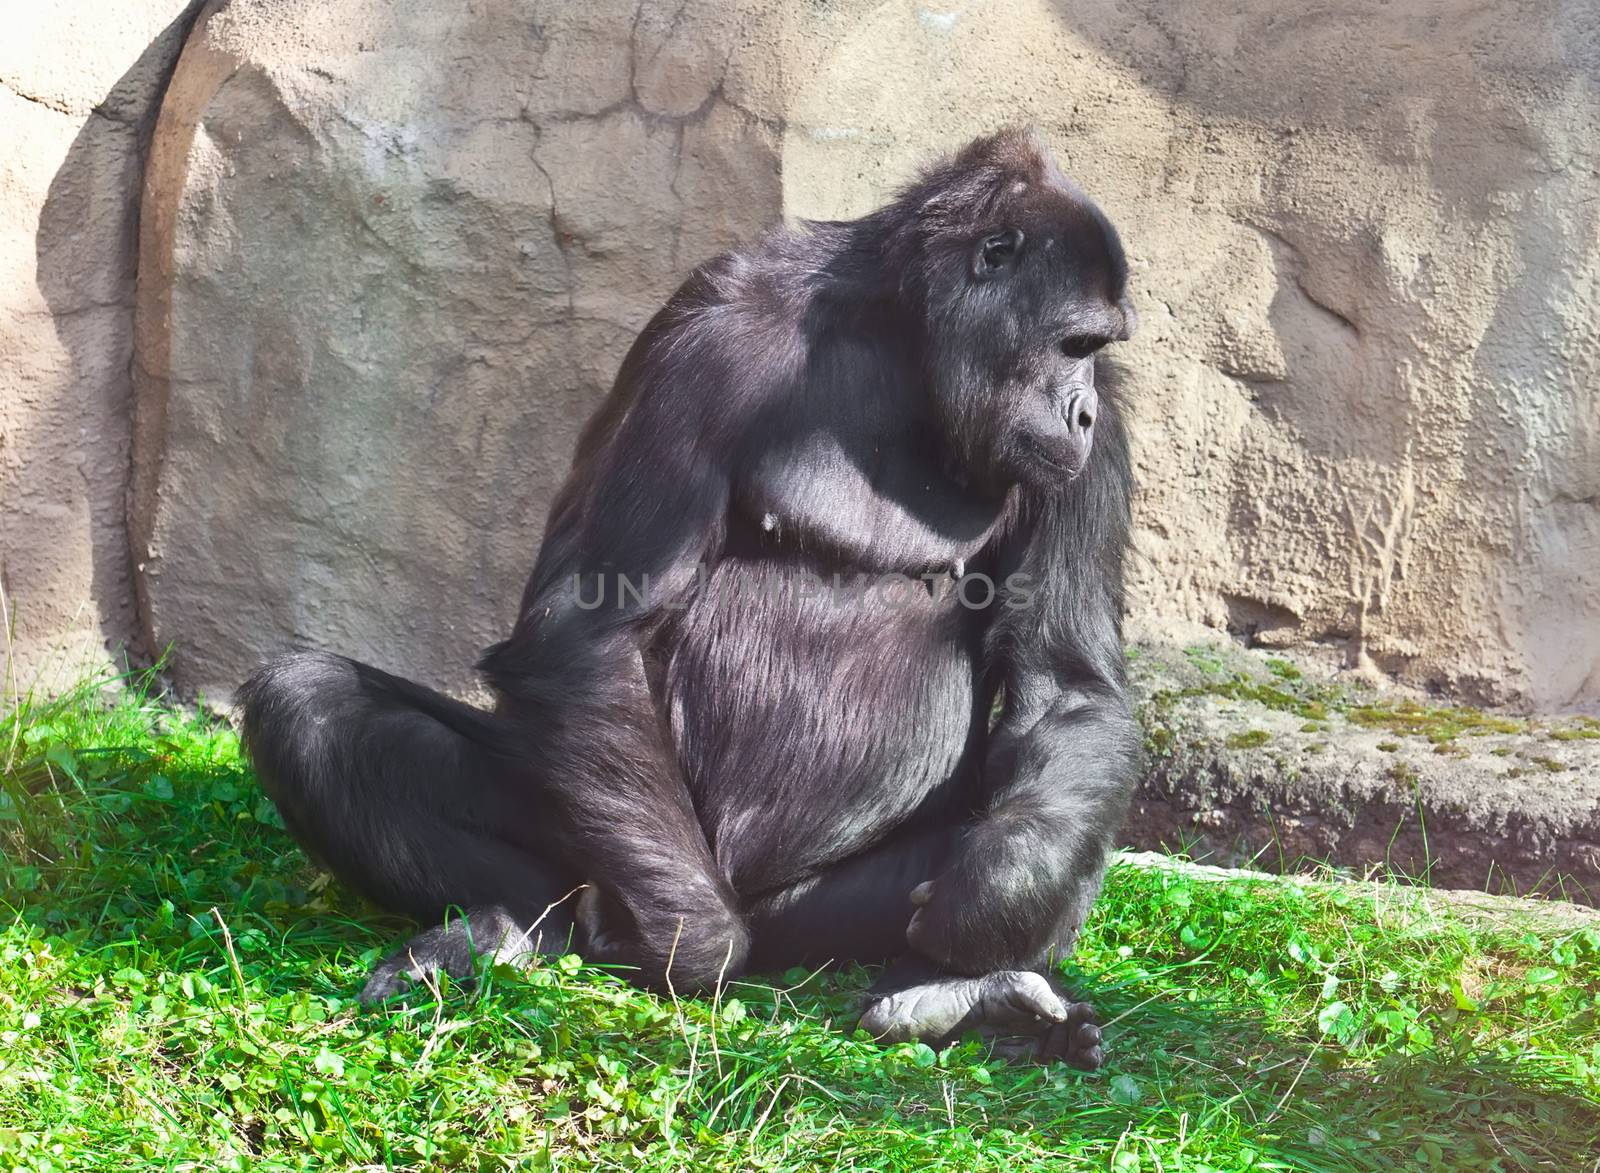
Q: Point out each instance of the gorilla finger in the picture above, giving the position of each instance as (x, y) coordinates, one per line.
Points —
(1015, 1050)
(922, 936)
(1075, 1042)
(1086, 1051)
(1091, 1060)
(1053, 1044)
(1078, 1012)
(1064, 1043)
(1023, 998)
(922, 893)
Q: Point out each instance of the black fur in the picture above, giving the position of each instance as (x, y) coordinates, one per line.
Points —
(749, 770)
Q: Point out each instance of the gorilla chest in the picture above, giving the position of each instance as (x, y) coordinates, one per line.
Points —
(878, 505)
(814, 714)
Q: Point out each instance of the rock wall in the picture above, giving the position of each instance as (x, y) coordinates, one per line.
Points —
(1367, 258)
(392, 253)
(78, 97)
(391, 257)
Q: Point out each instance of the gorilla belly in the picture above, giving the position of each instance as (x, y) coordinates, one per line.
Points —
(812, 723)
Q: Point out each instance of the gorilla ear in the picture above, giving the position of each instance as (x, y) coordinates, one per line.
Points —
(1130, 320)
(996, 254)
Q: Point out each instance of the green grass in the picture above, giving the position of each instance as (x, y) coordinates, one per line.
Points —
(176, 992)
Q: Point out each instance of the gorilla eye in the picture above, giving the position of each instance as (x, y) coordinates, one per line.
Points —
(1082, 345)
(996, 253)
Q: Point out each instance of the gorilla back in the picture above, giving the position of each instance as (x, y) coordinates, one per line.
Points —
(856, 484)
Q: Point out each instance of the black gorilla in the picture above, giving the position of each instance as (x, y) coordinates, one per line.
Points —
(821, 656)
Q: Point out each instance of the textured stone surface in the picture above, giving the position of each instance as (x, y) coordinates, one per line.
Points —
(392, 252)
(1398, 902)
(392, 256)
(1249, 768)
(1366, 254)
(78, 95)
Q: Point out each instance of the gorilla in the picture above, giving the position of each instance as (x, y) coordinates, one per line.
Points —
(820, 659)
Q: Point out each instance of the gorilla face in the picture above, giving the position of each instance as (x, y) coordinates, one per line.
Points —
(1017, 329)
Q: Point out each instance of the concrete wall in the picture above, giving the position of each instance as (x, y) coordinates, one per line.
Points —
(391, 253)
(78, 98)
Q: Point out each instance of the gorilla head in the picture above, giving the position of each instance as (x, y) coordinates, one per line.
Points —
(1022, 281)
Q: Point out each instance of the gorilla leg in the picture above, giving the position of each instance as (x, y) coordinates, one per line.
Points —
(859, 911)
(482, 935)
(412, 799)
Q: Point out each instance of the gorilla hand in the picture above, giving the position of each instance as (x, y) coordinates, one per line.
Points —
(1023, 1013)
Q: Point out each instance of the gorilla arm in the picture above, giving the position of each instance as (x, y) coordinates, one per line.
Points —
(1064, 759)
(645, 503)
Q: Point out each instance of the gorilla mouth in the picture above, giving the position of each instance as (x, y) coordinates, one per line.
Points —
(1043, 455)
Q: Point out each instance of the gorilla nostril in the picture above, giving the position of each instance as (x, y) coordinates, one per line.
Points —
(1085, 420)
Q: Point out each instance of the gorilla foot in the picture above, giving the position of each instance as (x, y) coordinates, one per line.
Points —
(463, 947)
(1075, 1041)
(1022, 1011)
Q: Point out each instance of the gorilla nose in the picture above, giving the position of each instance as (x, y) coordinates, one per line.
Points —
(1080, 414)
